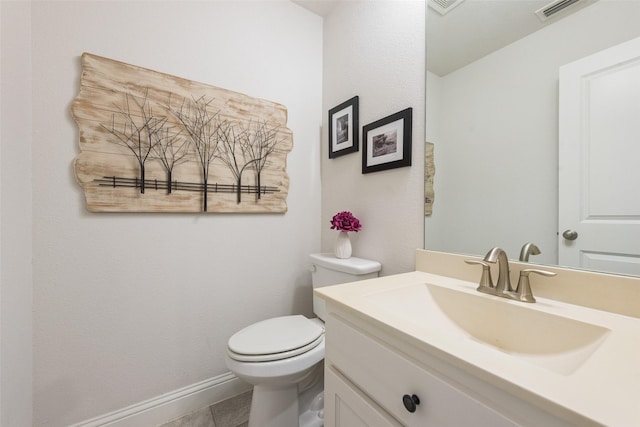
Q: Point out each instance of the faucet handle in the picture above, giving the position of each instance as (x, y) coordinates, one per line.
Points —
(523, 291)
(486, 282)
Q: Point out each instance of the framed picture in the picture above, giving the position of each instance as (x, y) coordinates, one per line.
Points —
(343, 128)
(387, 142)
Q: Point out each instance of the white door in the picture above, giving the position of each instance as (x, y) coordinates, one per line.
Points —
(599, 161)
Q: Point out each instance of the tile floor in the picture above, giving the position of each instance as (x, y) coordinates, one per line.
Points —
(232, 412)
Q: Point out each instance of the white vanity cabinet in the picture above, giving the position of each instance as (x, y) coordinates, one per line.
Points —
(473, 359)
(366, 380)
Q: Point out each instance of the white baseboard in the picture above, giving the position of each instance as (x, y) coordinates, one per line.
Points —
(172, 405)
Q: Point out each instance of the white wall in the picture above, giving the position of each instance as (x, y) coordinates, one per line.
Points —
(120, 308)
(496, 157)
(130, 306)
(15, 215)
(375, 49)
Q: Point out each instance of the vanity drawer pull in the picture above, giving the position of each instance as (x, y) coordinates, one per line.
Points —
(410, 402)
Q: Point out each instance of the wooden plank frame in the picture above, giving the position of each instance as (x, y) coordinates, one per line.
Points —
(152, 142)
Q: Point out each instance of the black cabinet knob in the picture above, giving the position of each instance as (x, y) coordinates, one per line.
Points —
(410, 402)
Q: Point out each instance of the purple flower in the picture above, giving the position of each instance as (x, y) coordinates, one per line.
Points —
(345, 221)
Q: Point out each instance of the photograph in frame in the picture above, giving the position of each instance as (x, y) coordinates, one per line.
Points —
(386, 143)
(344, 128)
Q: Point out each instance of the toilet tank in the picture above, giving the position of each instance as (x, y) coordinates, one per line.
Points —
(328, 270)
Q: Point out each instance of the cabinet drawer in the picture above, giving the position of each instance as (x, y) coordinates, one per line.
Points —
(385, 376)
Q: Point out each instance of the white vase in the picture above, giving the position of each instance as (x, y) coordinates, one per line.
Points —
(343, 246)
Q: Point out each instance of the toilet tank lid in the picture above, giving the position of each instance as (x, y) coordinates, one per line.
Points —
(353, 265)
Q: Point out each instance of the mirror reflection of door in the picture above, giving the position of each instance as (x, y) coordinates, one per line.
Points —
(599, 161)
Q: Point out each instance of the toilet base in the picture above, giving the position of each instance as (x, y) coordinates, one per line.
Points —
(296, 405)
(274, 406)
(314, 415)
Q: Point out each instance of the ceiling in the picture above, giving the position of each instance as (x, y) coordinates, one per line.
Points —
(472, 29)
(476, 28)
(319, 7)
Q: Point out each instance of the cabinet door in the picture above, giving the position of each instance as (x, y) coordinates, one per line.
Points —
(386, 376)
(346, 406)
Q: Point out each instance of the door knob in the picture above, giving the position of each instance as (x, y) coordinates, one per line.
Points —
(570, 235)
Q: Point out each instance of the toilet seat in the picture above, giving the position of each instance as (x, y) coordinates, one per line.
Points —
(275, 339)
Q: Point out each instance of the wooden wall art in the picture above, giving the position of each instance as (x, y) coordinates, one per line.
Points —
(151, 142)
(429, 173)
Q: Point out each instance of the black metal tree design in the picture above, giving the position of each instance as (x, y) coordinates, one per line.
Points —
(171, 149)
(247, 147)
(204, 136)
(205, 131)
(137, 130)
(258, 146)
(232, 154)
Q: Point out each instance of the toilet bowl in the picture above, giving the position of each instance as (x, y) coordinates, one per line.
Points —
(277, 369)
(283, 357)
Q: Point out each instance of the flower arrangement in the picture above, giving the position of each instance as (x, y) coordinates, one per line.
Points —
(345, 221)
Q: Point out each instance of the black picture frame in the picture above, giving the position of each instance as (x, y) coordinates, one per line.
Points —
(386, 143)
(344, 128)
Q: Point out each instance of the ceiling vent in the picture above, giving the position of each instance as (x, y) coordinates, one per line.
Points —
(554, 8)
(444, 6)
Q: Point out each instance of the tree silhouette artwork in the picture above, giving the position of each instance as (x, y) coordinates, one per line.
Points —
(136, 129)
(260, 142)
(171, 148)
(233, 154)
(153, 142)
(205, 130)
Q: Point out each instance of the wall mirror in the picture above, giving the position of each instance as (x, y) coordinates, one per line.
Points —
(493, 106)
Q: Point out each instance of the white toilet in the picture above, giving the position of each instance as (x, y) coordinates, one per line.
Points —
(282, 357)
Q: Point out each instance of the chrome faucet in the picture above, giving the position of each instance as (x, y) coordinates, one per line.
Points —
(528, 249)
(503, 287)
(500, 256)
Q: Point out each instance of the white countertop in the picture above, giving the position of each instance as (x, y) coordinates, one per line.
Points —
(604, 389)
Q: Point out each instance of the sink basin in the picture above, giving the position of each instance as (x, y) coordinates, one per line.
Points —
(550, 341)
